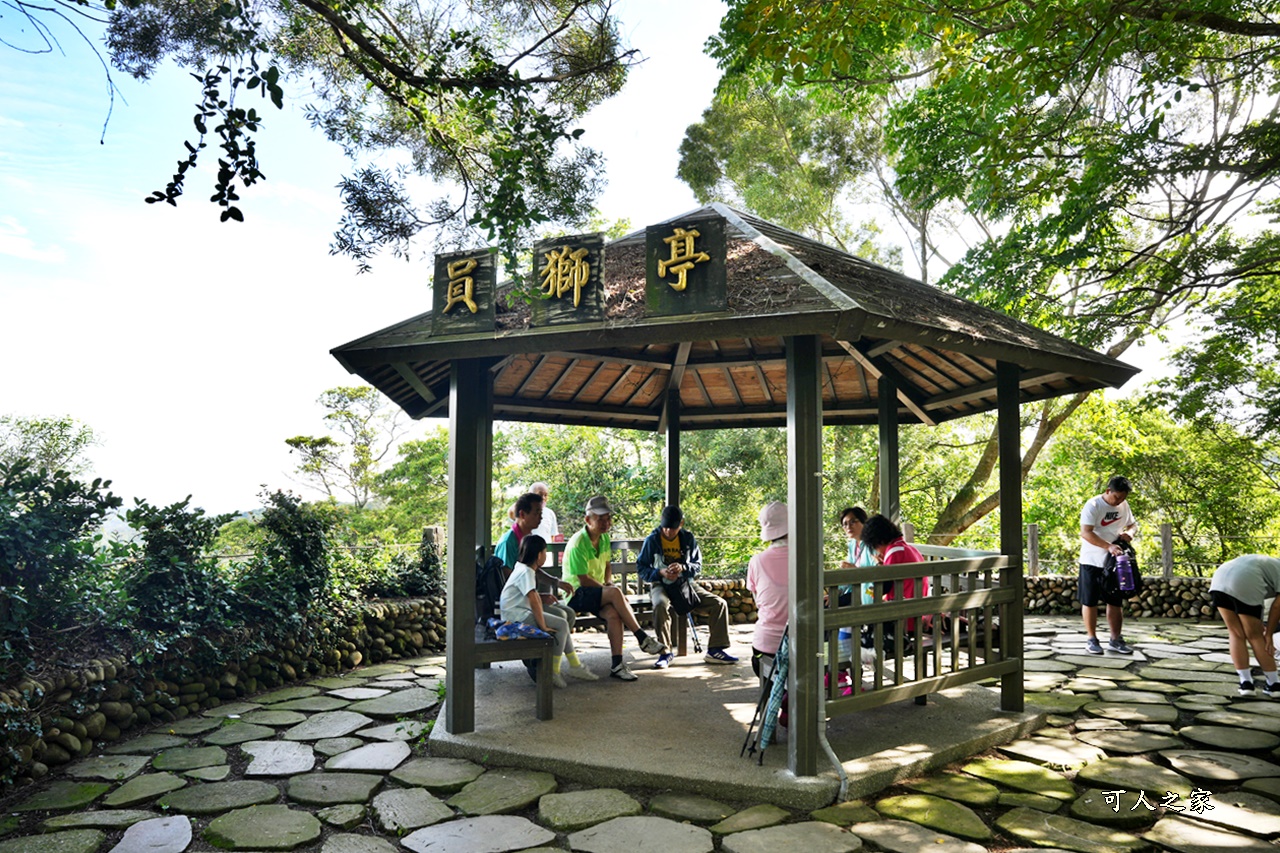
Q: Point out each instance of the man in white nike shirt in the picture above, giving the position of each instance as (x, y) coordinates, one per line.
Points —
(1104, 521)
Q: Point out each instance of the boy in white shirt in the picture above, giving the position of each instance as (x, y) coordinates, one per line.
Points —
(1104, 521)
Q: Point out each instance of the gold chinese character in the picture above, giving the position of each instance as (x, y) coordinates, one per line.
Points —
(461, 285)
(565, 269)
(683, 257)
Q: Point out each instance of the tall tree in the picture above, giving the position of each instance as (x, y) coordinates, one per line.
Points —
(57, 444)
(368, 426)
(483, 96)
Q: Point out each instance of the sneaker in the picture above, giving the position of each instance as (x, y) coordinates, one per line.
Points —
(1271, 689)
(622, 672)
(582, 673)
(1246, 688)
(651, 646)
(719, 656)
(1119, 647)
(558, 680)
(1092, 646)
(664, 660)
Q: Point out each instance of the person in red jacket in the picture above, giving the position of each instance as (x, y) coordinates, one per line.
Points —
(885, 540)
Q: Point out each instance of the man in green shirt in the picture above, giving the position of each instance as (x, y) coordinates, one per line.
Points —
(587, 568)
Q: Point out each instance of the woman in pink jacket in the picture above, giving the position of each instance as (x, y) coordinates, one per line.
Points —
(885, 539)
(768, 581)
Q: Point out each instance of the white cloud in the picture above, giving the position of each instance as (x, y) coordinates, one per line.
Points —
(15, 242)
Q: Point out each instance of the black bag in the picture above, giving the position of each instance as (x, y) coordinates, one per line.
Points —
(683, 597)
(1111, 578)
(491, 576)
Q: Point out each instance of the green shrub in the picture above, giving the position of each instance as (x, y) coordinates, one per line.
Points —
(291, 570)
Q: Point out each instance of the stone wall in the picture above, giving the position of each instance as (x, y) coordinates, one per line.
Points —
(62, 715)
(1175, 598)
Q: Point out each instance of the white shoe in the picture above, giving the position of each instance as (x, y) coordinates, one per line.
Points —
(651, 646)
(581, 673)
(558, 680)
(623, 672)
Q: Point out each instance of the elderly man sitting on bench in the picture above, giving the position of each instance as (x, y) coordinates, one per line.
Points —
(586, 565)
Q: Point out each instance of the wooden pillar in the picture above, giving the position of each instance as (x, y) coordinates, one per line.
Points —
(467, 405)
(804, 504)
(1009, 431)
(673, 446)
(890, 485)
(484, 484)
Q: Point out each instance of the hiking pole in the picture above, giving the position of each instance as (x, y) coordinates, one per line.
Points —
(764, 698)
(693, 627)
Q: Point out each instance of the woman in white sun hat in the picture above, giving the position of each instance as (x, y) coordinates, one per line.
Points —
(768, 581)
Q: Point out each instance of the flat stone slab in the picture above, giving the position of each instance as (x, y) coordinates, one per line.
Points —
(1133, 774)
(1226, 689)
(71, 841)
(1061, 703)
(358, 693)
(1133, 713)
(1127, 742)
(381, 669)
(312, 704)
(1188, 670)
(373, 758)
(1117, 808)
(1267, 786)
(1098, 724)
(1267, 709)
(168, 834)
(63, 795)
(286, 694)
(345, 816)
(263, 828)
(328, 724)
(492, 834)
(1190, 836)
(645, 834)
(192, 726)
(1160, 687)
(581, 809)
(1051, 830)
(279, 758)
(690, 807)
(336, 682)
(145, 745)
(900, 836)
(1090, 685)
(402, 703)
(844, 814)
(1253, 813)
(1134, 697)
(238, 732)
(402, 730)
(220, 797)
(1030, 801)
(756, 817)
(329, 789)
(1023, 776)
(402, 810)
(1108, 673)
(100, 819)
(346, 843)
(1226, 737)
(273, 717)
(231, 709)
(958, 787)
(189, 759)
(438, 775)
(1100, 661)
(1053, 752)
(113, 768)
(937, 814)
(332, 746)
(208, 774)
(1195, 706)
(1214, 766)
(1047, 666)
(810, 836)
(140, 789)
(504, 791)
(1240, 719)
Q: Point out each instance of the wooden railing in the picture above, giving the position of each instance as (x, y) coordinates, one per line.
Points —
(984, 588)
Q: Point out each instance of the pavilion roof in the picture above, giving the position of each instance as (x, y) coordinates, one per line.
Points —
(730, 365)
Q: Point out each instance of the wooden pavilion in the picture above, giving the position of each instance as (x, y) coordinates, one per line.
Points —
(714, 319)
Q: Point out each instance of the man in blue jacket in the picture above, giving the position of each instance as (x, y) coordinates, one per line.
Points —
(669, 557)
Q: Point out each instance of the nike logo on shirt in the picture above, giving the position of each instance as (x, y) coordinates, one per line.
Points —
(1107, 521)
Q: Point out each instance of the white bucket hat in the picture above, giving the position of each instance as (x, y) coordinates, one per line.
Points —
(773, 521)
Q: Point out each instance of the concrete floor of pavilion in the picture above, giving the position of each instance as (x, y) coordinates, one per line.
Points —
(683, 729)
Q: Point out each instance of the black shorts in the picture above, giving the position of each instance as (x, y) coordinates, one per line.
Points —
(587, 599)
(1230, 602)
(1092, 592)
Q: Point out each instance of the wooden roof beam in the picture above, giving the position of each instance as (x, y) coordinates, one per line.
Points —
(408, 374)
(986, 389)
(673, 382)
(878, 367)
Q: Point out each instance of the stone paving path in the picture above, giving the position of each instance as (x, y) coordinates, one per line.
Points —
(1154, 751)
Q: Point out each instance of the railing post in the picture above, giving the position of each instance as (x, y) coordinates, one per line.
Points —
(1033, 549)
(1166, 549)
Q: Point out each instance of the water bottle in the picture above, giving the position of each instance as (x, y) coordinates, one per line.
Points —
(1124, 572)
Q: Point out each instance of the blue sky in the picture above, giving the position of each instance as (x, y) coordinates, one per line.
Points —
(192, 347)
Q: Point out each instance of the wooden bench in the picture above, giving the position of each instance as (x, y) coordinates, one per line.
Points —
(489, 650)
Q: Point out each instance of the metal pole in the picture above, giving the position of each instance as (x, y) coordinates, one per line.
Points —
(804, 503)
(1009, 430)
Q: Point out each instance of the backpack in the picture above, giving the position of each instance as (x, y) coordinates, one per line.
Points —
(1111, 580)
(491, 576)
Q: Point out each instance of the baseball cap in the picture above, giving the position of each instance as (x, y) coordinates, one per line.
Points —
(598, 505)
